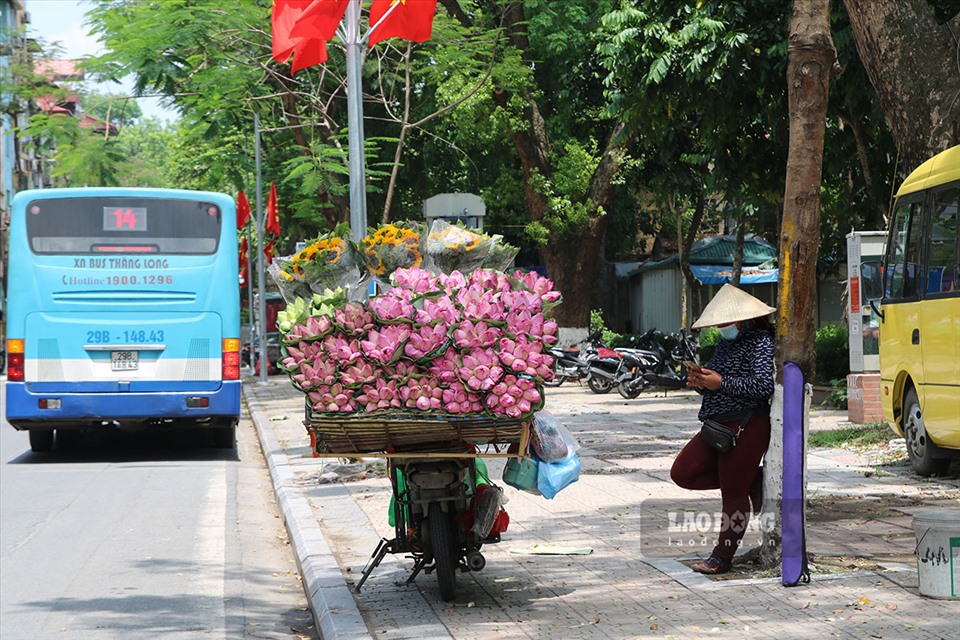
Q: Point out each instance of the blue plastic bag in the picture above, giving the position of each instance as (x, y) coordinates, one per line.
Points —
(554, 476)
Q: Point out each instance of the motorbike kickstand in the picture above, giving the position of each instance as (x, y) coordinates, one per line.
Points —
(379, 554)
(418, 566)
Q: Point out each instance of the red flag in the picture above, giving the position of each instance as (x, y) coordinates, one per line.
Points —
(308, 53)
(268, 251)
(410, 20)
(243, 210)
(320, 20)
(273, 216)
(244, 262)
(285, 14)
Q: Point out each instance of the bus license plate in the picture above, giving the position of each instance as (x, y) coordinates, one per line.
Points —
(124, 360)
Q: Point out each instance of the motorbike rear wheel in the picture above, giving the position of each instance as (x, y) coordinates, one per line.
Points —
(630, 393)
(445, 557)
(556, 382)
(599, 385)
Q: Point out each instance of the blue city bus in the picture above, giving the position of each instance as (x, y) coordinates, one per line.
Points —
(122, 311)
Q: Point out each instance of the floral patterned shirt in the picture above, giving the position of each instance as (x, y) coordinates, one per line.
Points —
(746, 364)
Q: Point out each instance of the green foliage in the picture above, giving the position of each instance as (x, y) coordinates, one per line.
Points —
(118, 109)
(865, 435)
(837, 397)
(596, 322)
(709, 338)
(831, 346)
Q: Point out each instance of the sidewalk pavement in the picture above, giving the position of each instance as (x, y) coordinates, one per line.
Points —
(634, 583)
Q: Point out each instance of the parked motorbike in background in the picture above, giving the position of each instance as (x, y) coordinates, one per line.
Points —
(610, 366)
(667, 371)
(573, 363)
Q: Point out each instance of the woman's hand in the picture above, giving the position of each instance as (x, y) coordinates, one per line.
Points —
(704, 379)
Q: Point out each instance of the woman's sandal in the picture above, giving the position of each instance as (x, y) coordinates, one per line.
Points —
(712, 566)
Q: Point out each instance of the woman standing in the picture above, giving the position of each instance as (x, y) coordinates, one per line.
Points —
(736, 385)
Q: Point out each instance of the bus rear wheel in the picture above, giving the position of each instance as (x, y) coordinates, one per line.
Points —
(919, 447)
(224, 437)
(41, 440)
(68, 439)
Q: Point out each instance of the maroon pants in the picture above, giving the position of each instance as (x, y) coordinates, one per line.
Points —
(700, 467)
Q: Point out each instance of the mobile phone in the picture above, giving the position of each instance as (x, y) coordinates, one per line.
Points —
(692, 366)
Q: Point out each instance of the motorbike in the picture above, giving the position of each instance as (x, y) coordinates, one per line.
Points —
(610, 366)
(666, 371)
(573, 363)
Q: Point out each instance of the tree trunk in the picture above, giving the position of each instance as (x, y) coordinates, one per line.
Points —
(573, 259)
(810, 66)
(683, 258)
(738, 252)
(809, 70)
(912, 64)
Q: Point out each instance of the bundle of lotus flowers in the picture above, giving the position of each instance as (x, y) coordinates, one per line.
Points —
(445, 344)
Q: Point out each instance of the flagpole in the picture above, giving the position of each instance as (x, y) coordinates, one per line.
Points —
(262, 305)
(358, 199)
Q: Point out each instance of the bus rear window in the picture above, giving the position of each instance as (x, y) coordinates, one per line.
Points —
(93, 226)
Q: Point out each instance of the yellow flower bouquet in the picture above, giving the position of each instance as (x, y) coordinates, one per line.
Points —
(392, 246)
(327, 262)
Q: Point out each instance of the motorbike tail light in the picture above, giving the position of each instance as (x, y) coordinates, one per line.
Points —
(15, 360)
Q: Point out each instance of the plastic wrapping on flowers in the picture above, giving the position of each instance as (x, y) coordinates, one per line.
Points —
(328, 262)
(453, 247)
(449, 343)
(392, 246)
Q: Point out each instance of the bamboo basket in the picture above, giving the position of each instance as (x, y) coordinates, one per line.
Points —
(369, 433)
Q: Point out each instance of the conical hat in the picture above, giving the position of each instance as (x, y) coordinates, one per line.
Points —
(731, 305)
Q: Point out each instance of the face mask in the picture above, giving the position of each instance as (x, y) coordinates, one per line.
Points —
(729, 332)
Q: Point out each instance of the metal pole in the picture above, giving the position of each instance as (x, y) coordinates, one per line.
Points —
(249, 276)
(262, 306)
(358, 196)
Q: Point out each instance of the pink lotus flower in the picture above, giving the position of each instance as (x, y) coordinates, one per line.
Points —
(421, 393)
(416, 280)
(538, 284)
(514, 397)
(380, 395)
(480, 369)
(472, 334)
(401, 370)
(436, 310)
(523, 300)
(479, 304)
(383, 345)
(314, 328)
(444, 368)
(424, 340)
(353, 319)
(490, 279)
(302, 351)
(334, 398)
(341, 349)
(457, 399)
(525, 357)
(452, 281)
(358, 373)
(392, 306)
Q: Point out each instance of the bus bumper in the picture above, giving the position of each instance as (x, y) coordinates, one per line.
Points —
(23, 406)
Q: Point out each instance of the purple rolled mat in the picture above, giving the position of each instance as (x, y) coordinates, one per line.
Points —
(794, 547)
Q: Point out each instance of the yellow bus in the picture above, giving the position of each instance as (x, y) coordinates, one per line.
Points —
(919, 315)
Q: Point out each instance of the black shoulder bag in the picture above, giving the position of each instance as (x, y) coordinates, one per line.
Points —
(718, 436)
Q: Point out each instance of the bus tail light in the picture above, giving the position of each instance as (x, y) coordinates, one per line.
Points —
(15, 360)
(231, 359)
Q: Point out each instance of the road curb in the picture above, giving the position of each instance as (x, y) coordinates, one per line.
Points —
(335, 612)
